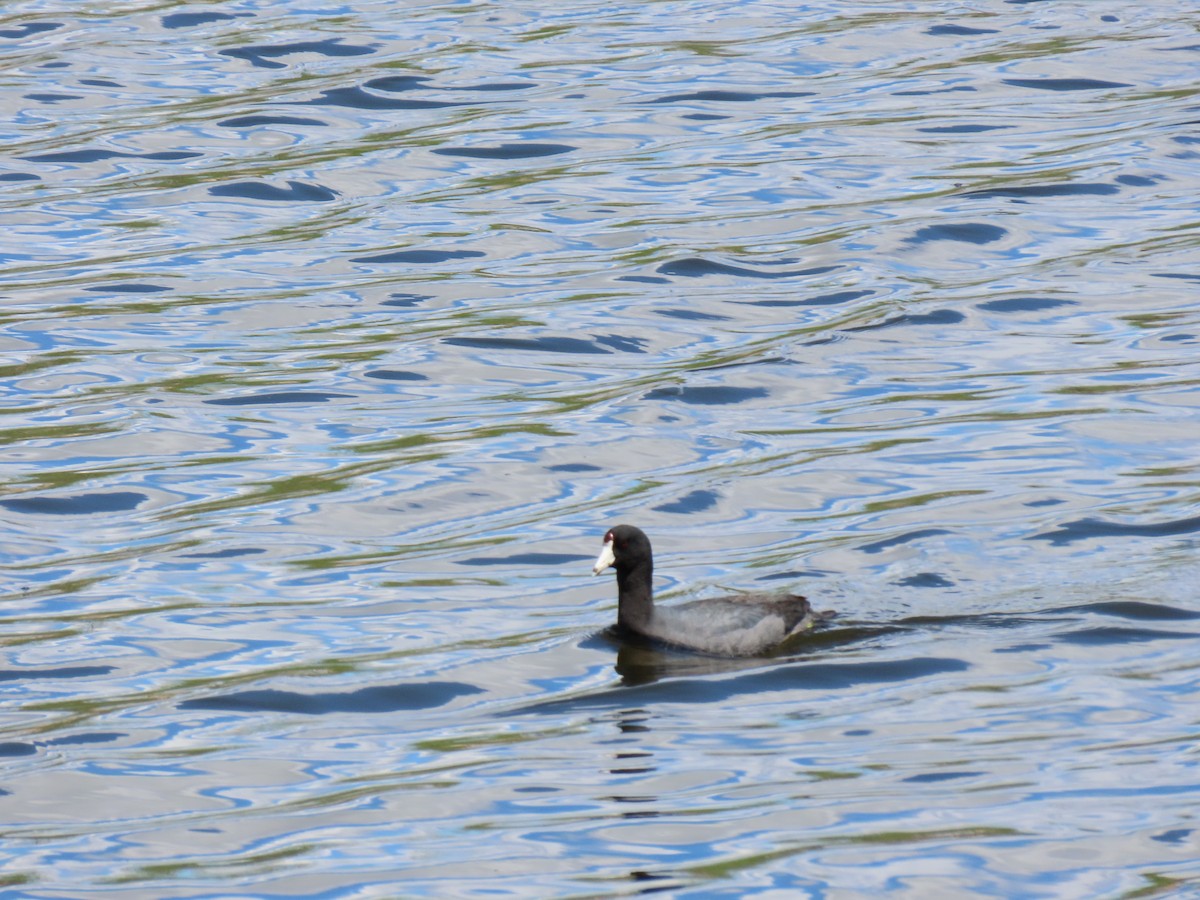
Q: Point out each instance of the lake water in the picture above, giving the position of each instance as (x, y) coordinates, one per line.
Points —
(335, 336)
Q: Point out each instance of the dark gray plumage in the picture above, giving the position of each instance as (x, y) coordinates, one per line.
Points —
(740, 625)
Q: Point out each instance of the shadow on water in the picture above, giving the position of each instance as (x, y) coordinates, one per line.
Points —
(28, 748)
(642, 660)
(59, 672)
(662, 673)
(1085, 529)
(681, 676)
(374, 699)
(1133, 611)
(76, 504)
(755, 677)
(1079, 623)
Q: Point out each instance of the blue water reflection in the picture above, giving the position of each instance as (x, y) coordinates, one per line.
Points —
(334, 338)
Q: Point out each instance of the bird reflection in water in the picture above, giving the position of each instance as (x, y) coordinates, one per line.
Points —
(641, 662)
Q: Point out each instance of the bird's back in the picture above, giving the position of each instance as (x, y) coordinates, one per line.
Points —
(741, 625)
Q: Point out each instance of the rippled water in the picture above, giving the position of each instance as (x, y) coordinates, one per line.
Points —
(334, 338)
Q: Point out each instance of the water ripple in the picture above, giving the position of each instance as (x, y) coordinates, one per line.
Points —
(334, 340)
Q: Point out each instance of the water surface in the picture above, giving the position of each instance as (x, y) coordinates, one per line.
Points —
(335, 337)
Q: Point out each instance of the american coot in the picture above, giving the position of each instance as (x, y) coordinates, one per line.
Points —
(741, 625)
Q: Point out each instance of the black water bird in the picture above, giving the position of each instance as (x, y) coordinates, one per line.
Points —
(738, 625)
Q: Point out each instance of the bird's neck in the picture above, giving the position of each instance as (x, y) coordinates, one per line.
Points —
(635, 603)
